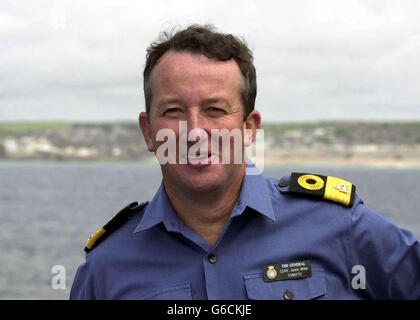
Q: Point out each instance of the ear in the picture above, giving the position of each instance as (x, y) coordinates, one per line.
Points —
(146, 129)
(252, 123)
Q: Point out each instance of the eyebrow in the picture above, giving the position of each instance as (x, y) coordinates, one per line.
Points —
(165, 102)
(207, 101)
(218, 100)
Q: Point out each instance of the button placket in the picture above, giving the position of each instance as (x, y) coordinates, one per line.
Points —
(211, 274)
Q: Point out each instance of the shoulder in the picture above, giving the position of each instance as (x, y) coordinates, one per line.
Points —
(312, 187)
(315, 196)
(120, 222)
(104, 250)
(308, 191)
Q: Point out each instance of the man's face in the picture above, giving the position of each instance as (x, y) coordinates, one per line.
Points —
(205, 94)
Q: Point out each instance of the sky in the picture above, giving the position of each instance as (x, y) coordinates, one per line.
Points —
(316, 60)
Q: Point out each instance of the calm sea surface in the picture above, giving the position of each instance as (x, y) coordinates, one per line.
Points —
(48, 210)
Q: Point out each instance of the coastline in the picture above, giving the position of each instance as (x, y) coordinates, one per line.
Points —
(333, 144)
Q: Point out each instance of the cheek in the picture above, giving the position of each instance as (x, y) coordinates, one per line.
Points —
(164, 128)
(230, 143)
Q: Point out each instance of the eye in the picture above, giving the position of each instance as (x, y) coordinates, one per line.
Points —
(172, 111)
(216, 110)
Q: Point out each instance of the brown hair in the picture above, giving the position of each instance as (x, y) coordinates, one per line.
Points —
(204, 39)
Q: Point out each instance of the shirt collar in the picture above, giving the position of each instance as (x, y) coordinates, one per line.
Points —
(159, 210)
(254, 194)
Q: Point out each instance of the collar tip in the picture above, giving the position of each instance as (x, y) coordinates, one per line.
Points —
(271, 216)
(141, 228)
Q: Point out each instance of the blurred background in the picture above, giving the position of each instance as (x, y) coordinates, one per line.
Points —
(338, 90)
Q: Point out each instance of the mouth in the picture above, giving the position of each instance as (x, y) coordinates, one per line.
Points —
(198, 161)
(199, 157)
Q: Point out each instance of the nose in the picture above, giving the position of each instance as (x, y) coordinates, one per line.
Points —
(194, 119)
(196, 125)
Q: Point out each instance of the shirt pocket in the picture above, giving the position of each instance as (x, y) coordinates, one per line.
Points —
(298, 289)
(178, 292)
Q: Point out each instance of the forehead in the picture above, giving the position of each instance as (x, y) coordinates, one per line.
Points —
(194, 74)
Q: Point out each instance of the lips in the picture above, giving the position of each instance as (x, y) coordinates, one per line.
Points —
(199, 161)
(199, 157)
(196, 159)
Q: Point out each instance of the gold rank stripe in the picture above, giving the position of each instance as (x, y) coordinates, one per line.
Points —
(94, 237)
(338, 190)
(113, 224)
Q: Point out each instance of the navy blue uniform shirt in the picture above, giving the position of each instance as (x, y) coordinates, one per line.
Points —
(155, 256)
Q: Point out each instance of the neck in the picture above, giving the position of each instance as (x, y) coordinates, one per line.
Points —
(207, 213)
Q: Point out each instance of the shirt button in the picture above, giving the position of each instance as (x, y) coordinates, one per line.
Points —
(287, 295)
(212, 258)
(282, 184)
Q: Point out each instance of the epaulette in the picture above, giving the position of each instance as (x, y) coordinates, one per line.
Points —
(326, 187)
(113, 224)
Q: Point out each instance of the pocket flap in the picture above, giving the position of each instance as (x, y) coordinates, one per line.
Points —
(299, 289)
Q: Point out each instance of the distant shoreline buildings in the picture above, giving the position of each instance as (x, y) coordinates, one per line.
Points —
(339, 143)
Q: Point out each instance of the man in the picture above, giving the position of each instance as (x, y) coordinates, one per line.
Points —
(212, 231)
